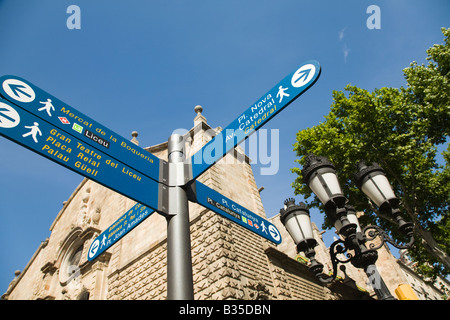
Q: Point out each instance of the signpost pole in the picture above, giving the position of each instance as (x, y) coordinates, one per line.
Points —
(180, 285)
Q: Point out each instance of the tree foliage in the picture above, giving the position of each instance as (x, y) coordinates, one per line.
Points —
(400, 129)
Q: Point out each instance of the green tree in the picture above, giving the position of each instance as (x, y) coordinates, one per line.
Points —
(400, 129)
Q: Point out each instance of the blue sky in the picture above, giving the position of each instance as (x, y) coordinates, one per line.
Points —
(144, 65)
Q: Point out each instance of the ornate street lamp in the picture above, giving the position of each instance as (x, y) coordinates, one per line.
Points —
(373, 182)
(298, 224)
(320, 175)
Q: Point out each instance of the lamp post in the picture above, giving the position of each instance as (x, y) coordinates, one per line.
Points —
(320, 175)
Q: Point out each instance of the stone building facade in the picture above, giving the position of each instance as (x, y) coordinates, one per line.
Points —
(229, 262)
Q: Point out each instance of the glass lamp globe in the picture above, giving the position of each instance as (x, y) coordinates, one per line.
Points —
(320, 176)
(373, 182)
(297, 222)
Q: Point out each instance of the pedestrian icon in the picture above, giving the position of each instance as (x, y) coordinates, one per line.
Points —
(264, 228)
(47, 106)
(34, 131)
(281, 93)
(103, 241)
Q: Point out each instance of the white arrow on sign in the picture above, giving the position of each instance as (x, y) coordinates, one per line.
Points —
(9, 118)
(303, 75)
(19, 90)
(274, 233)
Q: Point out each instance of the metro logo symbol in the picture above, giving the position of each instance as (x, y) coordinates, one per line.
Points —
(77, 128)
(64, 120)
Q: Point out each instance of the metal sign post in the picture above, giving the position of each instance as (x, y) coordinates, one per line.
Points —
(180, 284)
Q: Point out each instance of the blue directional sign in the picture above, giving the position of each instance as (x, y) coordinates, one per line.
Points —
(264, 109)
(64, 117)
(44, 124)
(71, 152)
(229, 209)
(127, 222)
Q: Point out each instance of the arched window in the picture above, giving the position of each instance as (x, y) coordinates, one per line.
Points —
(73, 262)
(70, 269)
